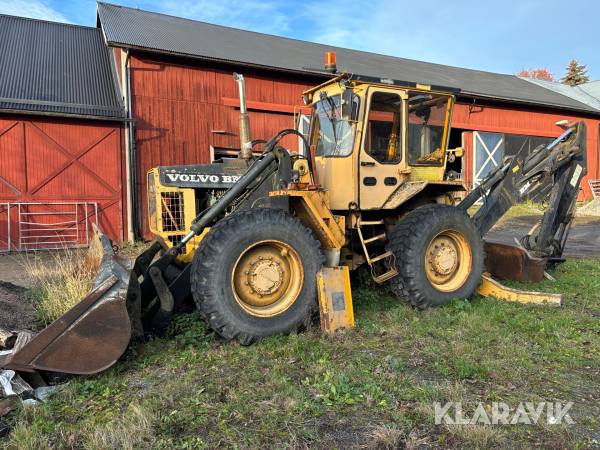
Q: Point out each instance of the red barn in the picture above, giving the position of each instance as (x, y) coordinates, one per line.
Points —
(61, 128)
(85, 112)
(176, 75)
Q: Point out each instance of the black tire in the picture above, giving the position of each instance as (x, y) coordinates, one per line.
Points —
(215, 260)
(410, 240)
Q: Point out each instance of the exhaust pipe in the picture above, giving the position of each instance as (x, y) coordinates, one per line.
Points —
(245, 140)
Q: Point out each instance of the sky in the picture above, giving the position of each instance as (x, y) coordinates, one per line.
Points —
(502, 36)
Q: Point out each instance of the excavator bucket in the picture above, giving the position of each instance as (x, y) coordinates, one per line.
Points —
(509, 262)
(92, 335)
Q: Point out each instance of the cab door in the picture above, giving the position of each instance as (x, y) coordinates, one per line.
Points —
(382, 166)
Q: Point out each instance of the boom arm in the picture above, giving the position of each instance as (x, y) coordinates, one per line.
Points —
(554, 171)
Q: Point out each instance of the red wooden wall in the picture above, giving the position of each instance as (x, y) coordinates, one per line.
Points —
(60, 160)
(182, 107)
(526, 122)
(181, 110)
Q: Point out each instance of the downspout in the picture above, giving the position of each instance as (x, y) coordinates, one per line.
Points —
(133, 226)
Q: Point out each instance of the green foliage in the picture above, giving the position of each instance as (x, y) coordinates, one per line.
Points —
(189, 329)
(576, 74)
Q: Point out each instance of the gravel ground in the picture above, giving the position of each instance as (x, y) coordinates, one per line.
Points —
(589, 209)
(583, 241)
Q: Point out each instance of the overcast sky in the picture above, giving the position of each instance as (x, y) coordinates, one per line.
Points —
(500, 36)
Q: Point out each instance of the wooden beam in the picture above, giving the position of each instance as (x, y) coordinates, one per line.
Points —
(265, 106)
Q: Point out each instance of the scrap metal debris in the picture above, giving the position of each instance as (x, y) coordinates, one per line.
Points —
(13, 384)
(14, 390)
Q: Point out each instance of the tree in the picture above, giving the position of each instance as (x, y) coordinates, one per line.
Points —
(539, 74)
(576, 74)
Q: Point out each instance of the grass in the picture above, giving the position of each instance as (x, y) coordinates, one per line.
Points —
(527, 208)
(59, 284)
(370, 387)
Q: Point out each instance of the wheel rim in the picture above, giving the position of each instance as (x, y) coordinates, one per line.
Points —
(448, 260)
(267, 278)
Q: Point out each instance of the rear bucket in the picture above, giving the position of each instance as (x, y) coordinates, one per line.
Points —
(92, 335)
(509, 262)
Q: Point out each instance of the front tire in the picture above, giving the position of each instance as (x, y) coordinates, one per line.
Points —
(254, 275)
(439, 256)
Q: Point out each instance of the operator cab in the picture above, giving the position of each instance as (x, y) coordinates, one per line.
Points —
(383, 133)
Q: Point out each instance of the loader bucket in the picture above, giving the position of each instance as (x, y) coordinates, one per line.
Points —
(509, 262)
(92, 335)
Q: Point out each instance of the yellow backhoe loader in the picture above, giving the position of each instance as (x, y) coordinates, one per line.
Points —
(260, 241)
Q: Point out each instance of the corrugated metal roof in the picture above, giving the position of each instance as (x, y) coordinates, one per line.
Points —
(136, 28)
(56, 68)
(592, 88)
(588, 93)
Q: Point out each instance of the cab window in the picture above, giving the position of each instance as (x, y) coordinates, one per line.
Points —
(383, 141)
(426, 121)
(333, 124)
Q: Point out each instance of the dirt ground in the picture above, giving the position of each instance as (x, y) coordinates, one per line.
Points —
(16, 313)
(12, 266)
(583, 241)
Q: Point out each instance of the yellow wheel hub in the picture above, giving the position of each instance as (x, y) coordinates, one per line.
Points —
(448, 261)
(267, 278)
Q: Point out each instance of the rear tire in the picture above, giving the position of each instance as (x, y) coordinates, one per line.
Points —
(439, 256)
(254, 275)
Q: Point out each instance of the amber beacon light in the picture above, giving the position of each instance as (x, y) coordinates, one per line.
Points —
(330, 65)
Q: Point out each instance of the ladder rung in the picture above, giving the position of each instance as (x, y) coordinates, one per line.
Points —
(370, 222)
(380, 257)
(381, 236)
(385, 276)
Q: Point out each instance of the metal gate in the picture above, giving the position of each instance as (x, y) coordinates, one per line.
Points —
(595, 188)
(488, 149)
(45, 226)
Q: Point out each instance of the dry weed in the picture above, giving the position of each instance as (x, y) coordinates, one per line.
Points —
(61, 282)
(131, 430)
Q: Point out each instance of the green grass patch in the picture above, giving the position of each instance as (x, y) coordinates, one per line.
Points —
(373, 386)
(527, 208)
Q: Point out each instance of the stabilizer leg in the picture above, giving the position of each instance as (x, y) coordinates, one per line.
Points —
(492, 288)
(335, 298)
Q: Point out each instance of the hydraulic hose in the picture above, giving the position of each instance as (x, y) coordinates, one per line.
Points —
(269, 155)
(254, 171)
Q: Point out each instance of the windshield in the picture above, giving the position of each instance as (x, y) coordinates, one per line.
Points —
(426, 122)
(334, 124)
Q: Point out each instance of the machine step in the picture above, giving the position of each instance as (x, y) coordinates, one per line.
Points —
(380, 257)
(390, 267)
(385, 276)
(370, 222)
(379, 237)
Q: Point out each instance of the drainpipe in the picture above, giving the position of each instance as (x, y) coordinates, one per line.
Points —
(245, 140)
(133, 229)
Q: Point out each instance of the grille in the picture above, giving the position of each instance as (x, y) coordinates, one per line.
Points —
(172, 211)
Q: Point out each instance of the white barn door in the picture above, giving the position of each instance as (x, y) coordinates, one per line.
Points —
(488, 150)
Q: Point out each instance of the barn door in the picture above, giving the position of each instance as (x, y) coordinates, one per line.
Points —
(488, 150)
(57, 177)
